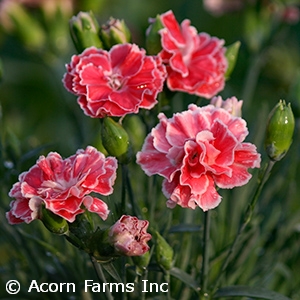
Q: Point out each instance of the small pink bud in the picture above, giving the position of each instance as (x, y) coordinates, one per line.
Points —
(129, 236)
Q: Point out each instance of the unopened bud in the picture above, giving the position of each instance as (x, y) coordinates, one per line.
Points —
(127, 237)
(114, 32)
(84, 30)
(52, 222)
(280, 129)
(164, 252)
(115, 140)
(153, 38)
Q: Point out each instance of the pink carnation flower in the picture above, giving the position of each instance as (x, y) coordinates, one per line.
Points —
(114, 83)
(129, 236)
(197, 150)
(196, 63)
(232, 105)
(63, 185)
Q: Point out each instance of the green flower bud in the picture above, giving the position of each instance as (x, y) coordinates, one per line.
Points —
(52, 222)
(164, 252)
(231, 56)
(114, 32)
(115, 140)
(84, 30)
(280, 129)
(153, 38)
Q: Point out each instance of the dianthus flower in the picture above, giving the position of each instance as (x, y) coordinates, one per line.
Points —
(129, 236)
(63, 186)
(196, 63)
(115, 83)
(197, 150)
(232, 105)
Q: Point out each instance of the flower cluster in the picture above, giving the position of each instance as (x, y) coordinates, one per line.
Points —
(124, 79)
(195, 151)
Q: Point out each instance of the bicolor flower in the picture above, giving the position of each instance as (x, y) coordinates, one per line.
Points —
(63, 186)
(196, 151)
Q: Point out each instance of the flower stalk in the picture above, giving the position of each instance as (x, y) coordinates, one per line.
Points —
(101, 276)
(205, 255)
(246, 219)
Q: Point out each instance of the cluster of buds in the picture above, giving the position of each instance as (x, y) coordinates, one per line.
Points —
(127, 237)
(86, 32)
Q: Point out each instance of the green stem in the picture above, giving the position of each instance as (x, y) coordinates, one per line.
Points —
(135, 207)
(101, 277)
(246, 219)
(205, 255)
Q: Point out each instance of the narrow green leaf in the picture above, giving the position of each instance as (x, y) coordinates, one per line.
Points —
(111, 270)
(185, 278)
(43, 244)
(246, 291)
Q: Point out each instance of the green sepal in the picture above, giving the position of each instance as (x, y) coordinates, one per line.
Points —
(53, 222)
(163, 251)
(279, 131)
(84, 30)
(153, 38)
(114, 32)
(115, 140)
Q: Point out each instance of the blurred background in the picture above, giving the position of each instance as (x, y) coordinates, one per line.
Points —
(38, 116)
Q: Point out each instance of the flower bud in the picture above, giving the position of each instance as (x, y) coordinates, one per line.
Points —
(231, 56)
(164, 252)
(127, 237)
(279, 132)
(114, 32)
(153, 39)
(52, 222)
(84, 30)
(115, 140)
